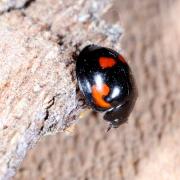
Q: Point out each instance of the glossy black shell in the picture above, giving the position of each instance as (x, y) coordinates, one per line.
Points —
(118, 78)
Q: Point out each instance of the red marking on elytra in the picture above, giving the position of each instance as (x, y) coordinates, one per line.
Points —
(121, 58)
(98, 93)
(106, 62)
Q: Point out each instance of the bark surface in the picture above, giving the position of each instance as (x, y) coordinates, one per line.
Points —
(39, 42)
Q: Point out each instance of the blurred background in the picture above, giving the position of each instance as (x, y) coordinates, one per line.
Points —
(148, 147)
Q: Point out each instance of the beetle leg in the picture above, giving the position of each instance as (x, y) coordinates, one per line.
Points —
(109, 127)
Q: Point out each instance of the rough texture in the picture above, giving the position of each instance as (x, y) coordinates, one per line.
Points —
(38, 89)
(31, 93)
(6, 5)
(39, 41)
(146, 148)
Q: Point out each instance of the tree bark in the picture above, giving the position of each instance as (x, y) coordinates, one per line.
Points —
(148, 146)
(39, 42)
(38, 83)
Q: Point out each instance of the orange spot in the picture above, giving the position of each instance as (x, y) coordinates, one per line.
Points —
(121, 58)
(99, 93)
(106, 62)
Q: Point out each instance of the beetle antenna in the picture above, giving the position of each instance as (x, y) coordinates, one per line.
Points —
(109, 127)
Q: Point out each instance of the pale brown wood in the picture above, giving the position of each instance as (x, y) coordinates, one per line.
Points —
(37, 77)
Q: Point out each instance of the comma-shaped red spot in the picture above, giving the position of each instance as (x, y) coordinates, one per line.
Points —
(98, 94)
(106, 62)
(121, 58)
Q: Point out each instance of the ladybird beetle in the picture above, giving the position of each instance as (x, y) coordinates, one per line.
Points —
(106, 81)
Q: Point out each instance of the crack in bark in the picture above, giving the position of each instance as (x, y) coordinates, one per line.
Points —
(51, 103)
(26, 5)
